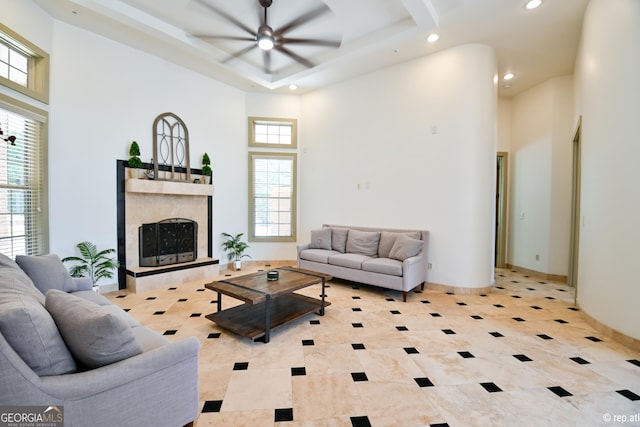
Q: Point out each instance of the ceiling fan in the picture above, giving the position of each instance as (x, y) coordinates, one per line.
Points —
(269, 39)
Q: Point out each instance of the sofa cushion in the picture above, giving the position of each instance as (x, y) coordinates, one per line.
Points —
(29, 328)
(47, 272)
(320, 239)
(317, 255)
(405, 247)
(388, 238)
(388, 266)
(95, 336)
(349, 260)
(363, 242)
(339, 239)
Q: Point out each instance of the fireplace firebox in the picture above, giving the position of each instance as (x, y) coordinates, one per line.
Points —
(170, 241)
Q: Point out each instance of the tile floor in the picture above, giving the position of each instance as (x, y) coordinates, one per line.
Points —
(521, 355)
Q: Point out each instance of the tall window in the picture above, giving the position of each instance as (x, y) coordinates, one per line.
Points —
(272, 198)
(22, 214)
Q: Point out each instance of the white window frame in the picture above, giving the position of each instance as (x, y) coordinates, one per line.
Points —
(267, 132)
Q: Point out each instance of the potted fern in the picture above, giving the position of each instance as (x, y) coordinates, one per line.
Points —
(134, 161)
(92, 263)
(206, 169)
(235, 248)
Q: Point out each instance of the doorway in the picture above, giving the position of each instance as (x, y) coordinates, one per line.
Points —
(500, 243)
(574, 245)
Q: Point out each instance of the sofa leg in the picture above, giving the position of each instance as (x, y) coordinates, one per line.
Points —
(422, 286)
(404, 296)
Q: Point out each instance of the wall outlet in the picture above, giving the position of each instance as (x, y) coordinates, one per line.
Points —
(537, 257)
(429, 266)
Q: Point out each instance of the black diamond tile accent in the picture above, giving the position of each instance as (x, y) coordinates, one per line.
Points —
(561, 290)
(514, 281)
(314, 322)
(466, 354)
(395, 312)
(561, 321)
(498, 305)
(121, 296)
(573, 308)
(462, 303)
(519, 319)
(360, 421)
(285, 414)
(357, 325)
(545, 337)
(170, 332)
(527, 276)
(475, 316)
(560, 391)
(423, 382)
(390, 299)
(484, 295)
(411, 350)
(629, 394)
(355, 297)
(227, 275)
(182, 300)
(195, 314)
(424, 301)
(402, 328)
(356, 309)
(450, 293)
(359, 376)
(357, 346)
(531, 289)
(496, 334)
(594, 339)
(634, 362)
(535, 307)
(173, 288)
(435, 314)
(127, 309)
(449, 331)
(543, 283)
(158, 313)
(499, 287)
(552, 298)
(580, 360)
(439, 425)
(522, 357)
(298, 372)
(150, 298)
(211, 406)
(491, 387)
(241, 366)
(516, 296)
(214, 335)
(308, 342)
(200, 290)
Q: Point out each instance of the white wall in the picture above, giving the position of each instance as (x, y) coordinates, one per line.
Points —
(369, 157)
(540, 169)
(608, 98)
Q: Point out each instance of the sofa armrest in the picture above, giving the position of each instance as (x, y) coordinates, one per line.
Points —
(414, 270)
(84, 384)
(302, 248)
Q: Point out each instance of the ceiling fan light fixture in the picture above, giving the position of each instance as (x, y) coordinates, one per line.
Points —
(433, 38)
(532, 4)
(265, 38)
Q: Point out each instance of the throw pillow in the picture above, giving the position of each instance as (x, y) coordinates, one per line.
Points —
(34, 336)
(405, 247)
(47, 272)
(95, 336)
(339, 239)
(320, 239)
(388, 238)
(363, 242)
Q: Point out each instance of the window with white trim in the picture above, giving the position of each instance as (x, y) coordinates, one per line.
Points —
(22, 197)
(274, 133)
(272, 198)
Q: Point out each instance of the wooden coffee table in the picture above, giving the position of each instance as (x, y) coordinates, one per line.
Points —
(267, 304)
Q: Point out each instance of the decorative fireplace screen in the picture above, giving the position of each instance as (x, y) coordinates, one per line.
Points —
(170, 241)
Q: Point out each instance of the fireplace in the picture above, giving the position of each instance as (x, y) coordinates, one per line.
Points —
(170, 241)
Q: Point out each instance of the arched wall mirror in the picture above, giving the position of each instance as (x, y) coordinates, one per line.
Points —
(171, 148)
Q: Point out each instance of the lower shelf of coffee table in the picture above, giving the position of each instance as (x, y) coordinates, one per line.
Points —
(248, 320)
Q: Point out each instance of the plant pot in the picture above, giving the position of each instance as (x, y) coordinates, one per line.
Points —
(237, 265)
(206, 179)
(136, 173)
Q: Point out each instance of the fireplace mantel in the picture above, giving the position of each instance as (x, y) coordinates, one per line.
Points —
(177, 188)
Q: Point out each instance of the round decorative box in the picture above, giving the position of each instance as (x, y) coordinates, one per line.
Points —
(272, 275)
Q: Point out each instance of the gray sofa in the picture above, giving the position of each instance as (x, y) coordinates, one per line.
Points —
(386, 257)
(63, 345)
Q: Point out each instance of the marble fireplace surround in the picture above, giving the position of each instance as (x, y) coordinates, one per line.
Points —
(142, 201)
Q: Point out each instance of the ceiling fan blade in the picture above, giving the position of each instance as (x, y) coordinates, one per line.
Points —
(295, 56)
(216, 37)
(226, 16)
(317, 42)
(266, 57)
(239, 53)
(302, 19)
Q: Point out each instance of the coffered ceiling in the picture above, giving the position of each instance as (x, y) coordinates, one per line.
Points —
(212, 36)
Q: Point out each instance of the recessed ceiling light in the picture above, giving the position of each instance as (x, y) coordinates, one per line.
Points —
(532, 4)
(432, 38)
(293, 87)
(508, 76)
